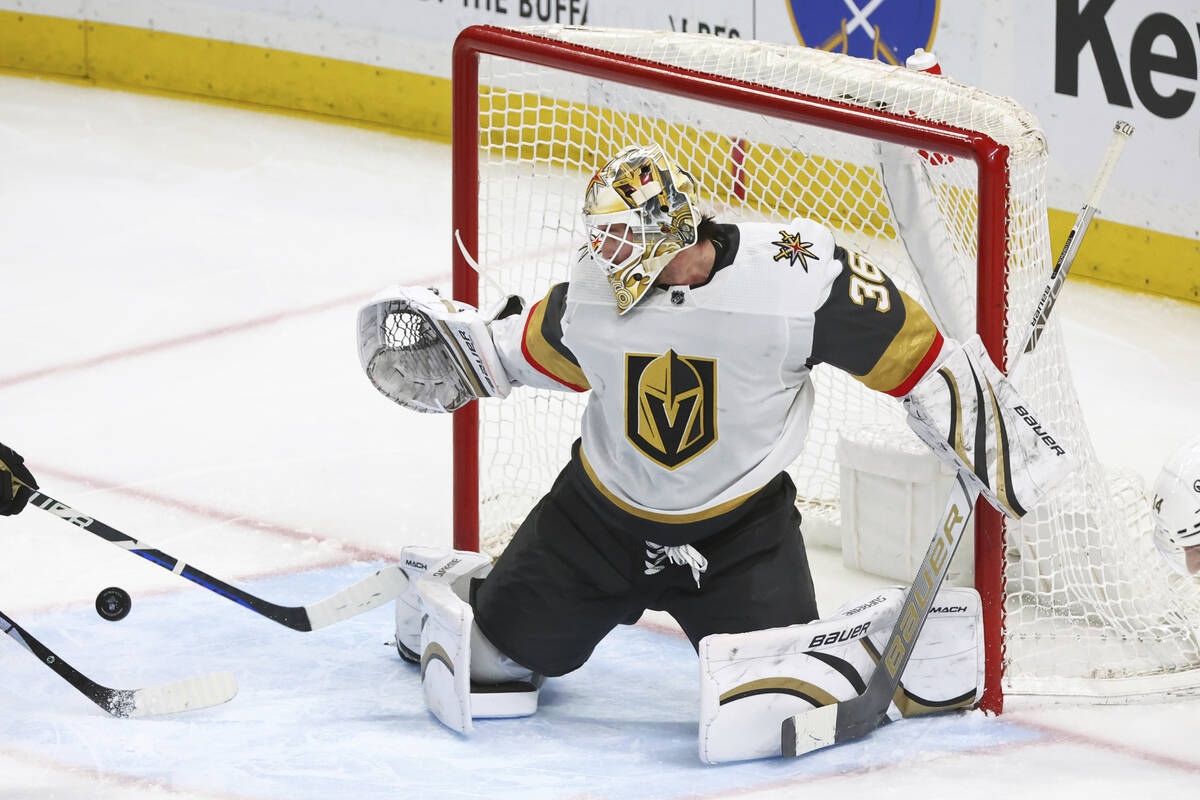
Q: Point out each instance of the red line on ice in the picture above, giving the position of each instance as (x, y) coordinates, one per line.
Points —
(361, 553)
(177, 341)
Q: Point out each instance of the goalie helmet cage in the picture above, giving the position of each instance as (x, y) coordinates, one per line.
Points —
(1076, 601)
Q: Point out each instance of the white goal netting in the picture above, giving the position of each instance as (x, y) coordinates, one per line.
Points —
(1089, 608)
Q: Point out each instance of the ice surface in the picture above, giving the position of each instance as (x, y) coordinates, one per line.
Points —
(177, 358)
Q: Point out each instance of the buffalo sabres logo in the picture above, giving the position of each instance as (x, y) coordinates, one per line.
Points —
(670, 406)
(884, 30)
(791, 248)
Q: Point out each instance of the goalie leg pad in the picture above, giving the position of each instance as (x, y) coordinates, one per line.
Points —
(418, 561)
(446, 654)
(751, 682)
(500, 687)
(452, 649)
(946, 669)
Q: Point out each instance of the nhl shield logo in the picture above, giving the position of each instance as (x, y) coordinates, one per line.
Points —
(670, 406)
(883, 30)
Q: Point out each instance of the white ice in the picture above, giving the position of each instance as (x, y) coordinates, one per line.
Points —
(177, 359)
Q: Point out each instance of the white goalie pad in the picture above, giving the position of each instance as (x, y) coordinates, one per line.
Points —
(452, 648)
(428, 353)
(972, 418)
(455, 567)
(446, 654)
(751, 682)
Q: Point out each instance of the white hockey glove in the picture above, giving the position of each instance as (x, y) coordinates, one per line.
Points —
(977, 424)
(427, 353)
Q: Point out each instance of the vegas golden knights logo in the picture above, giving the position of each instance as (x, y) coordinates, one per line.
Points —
(670, 406)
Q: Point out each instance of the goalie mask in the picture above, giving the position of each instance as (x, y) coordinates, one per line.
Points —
(1177, 509)
(639, 212)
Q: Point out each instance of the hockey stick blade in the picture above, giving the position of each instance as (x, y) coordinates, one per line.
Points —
(368, 593)
(186, 695)
(167, 698)
(852, 719)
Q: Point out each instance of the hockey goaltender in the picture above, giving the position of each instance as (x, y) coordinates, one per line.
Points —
(694, 340)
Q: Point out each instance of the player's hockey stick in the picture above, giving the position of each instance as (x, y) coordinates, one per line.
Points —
(370, 592)
(165, 698)
(854, 718)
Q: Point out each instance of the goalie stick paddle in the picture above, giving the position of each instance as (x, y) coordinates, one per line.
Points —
(165, 698)
(370, 592)
(852, 719)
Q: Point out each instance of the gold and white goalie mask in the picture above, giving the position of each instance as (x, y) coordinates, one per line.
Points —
(639, 212)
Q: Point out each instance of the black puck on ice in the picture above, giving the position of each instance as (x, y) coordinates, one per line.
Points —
(113, 603)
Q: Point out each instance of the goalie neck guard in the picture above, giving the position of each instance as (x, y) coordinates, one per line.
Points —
(639, 212)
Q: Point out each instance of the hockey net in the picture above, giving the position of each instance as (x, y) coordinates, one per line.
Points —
(1078, 603)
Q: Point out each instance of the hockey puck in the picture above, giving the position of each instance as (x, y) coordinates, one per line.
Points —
(113, 603)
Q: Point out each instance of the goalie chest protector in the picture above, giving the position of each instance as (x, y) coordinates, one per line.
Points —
(700, 395)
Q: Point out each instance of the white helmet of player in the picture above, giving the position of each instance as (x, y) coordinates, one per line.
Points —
(639, 211)
(1177, 509)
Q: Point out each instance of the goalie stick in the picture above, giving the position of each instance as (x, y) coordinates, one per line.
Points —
(165, 698)
(1121, 133)
(370, 592)
(845, 721)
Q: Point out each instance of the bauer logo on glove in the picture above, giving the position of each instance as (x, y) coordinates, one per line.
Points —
(427, 353)
(1046, 438)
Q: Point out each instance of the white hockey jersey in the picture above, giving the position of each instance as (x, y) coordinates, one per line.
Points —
(700, 396)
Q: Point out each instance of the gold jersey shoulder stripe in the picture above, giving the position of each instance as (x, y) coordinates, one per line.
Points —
(906, 353)
(543, 354)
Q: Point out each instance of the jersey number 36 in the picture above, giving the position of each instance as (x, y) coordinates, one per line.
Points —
(868, 281)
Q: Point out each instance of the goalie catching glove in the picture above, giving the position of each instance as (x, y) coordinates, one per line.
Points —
(977, 424)
(428, 353)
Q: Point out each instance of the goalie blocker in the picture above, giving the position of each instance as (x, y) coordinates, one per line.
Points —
(976, 423)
